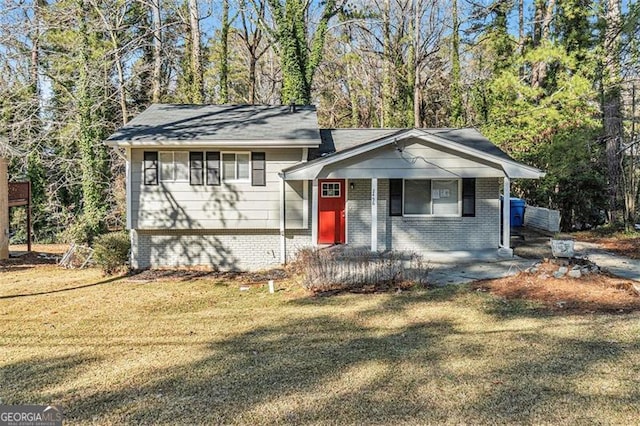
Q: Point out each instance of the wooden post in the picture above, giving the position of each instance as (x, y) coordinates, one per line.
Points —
(29, 218)
(4, 209)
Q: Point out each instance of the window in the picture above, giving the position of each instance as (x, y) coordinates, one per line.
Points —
(444, 194)
(417, 200)
(258, 169)
(468, 197)
(235, 166)
(331, 189)
(174, 166)
(213, 168)
(150, 168)
(426, 197)
(196, 168)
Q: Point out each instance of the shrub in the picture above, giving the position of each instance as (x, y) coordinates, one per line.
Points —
(111, 251)
(351, 269)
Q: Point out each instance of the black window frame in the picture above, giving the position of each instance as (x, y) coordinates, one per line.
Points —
(258, 169)
(395, 197)
(469, 193)
(150, 163)
(196, 168)
(212, 167)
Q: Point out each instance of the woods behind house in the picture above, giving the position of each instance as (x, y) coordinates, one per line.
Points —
(552, 82)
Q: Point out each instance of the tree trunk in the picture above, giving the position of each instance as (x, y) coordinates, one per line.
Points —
(457, 118)
(224, 54)
(197, 85)
(156, 75)
(545, 13)
(386, 112)
(611, 108)
(90, 147)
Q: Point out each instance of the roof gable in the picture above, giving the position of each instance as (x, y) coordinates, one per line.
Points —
(465, 142)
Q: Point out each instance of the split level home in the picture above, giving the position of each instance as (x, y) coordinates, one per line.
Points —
(246, 187)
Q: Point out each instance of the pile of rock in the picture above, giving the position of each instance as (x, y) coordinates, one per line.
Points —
(560, 268)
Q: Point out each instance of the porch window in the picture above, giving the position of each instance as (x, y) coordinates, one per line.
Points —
(445, 197)
(431, 197)
(235, 166)
(174, 166)
(417, 200)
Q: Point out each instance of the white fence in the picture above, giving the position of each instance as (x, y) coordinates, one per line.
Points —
(545, 219)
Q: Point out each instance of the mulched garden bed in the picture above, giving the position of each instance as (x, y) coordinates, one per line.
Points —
(598, 291)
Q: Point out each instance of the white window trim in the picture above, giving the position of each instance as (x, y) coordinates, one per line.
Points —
(331, 183)
(459, 214)
(235, 153)
(173, 162)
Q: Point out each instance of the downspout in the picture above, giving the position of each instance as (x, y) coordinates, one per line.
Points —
(283, 241)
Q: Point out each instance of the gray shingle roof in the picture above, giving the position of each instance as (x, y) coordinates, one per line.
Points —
(336, 140)
(168, 122)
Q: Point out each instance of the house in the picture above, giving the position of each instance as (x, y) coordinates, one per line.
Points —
(245, 187)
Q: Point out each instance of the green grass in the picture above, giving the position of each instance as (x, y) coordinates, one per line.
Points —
(200, 352)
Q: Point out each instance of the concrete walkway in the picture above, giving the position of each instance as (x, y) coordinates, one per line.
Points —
(456, 273)
(481, 266)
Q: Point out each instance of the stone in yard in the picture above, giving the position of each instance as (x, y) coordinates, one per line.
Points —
(559, 274)
(585, 270)
(575, 273)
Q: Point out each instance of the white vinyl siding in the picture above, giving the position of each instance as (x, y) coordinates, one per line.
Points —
(227, 205)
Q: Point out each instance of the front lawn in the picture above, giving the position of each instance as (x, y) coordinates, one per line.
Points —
(202, 351)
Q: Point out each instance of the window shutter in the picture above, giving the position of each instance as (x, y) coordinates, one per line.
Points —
(258, 169)
(196, 168)
(395, 197)
(213, 168)
(469, 197)
(150, 168)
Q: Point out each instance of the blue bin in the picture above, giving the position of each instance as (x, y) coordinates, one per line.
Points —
(518, 207)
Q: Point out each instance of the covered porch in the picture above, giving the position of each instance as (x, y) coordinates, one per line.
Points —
(412, 191)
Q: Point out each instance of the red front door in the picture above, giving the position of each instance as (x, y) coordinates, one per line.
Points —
(331, 204)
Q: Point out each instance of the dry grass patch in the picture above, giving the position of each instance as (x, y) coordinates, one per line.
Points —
(202, 352)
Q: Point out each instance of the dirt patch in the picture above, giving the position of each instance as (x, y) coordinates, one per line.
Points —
(594, 292)
(194, 274)
(29, 259)
(625, 246)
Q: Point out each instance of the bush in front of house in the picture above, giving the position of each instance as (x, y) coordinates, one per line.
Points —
(358, 269)
(111, 252)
